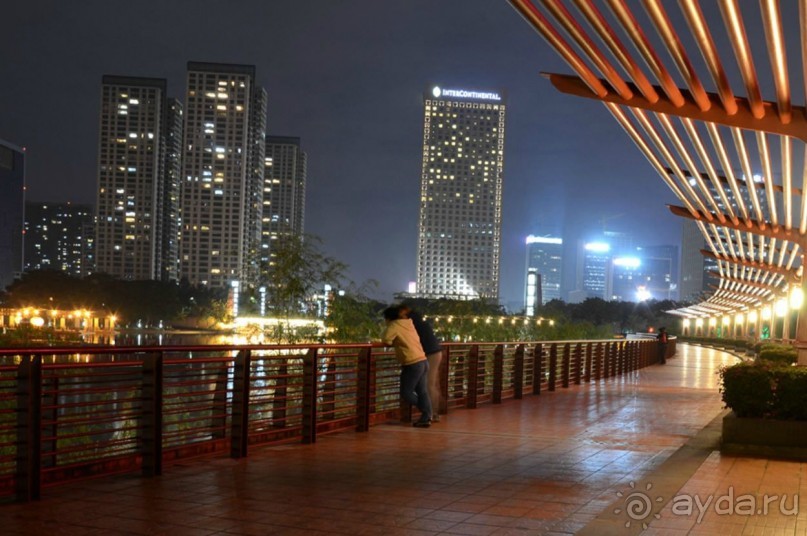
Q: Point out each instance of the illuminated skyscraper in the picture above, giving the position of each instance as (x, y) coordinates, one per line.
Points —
(12, 204)
(284, 191)
(223, 172)
(545, 263)
(132, 167)
(596, 269)
(459, 240)
(649, 272)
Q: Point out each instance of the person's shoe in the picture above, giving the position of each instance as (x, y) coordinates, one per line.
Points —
(421, 424)
(435, 418)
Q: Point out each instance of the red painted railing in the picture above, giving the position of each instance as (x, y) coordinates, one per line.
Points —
(74, 413)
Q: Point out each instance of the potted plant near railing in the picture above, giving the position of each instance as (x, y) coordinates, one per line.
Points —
(768, 399)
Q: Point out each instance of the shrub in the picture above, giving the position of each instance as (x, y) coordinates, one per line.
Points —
(747, 389)
(765, 389)
(791, 393)
(784, 355)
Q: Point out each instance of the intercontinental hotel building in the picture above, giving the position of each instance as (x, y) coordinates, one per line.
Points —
(459, 240)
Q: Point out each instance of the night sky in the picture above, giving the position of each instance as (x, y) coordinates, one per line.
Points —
(347, 77)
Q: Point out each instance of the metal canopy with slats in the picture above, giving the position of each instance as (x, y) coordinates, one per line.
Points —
(734, 160)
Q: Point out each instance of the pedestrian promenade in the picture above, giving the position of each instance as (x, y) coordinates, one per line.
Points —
(601, 458)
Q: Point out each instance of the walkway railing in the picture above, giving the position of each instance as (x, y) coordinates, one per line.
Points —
(74, 413)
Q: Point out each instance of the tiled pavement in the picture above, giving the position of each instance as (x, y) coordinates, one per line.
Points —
(587, 460)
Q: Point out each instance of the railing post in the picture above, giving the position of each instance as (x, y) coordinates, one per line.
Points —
(589, 354)
(239, 427)
(578, 364)
(29, 429)
(537, 368)
(364, 389)
(553, 365)
(152, 424)
(614, 359)
(460, 370)
(620, 358)
(498, 374)
(309, 431)
(598, 358)
(608, 360)
(518, 373)
(473, 377)
(567, 351)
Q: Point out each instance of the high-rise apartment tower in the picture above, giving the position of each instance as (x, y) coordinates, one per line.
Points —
(284, 191)
(134, 168)
(60, 236)
(223, 173)
(459, 240)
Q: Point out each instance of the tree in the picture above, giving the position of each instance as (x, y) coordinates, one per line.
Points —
(353, 316)
(297, 270)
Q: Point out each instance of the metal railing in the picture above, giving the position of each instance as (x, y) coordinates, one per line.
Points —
(74, 413)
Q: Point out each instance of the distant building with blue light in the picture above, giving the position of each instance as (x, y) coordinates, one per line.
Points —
(544, 271)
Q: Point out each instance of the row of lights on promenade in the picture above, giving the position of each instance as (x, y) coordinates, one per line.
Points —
(490, 320)
(780, 309)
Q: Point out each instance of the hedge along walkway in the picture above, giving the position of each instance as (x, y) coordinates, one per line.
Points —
(548, 464)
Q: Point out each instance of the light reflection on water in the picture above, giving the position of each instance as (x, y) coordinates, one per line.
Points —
(170, 338)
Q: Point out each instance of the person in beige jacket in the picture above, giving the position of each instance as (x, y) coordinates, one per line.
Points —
(400, 334)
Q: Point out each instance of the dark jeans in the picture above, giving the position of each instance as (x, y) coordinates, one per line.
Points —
(414, 387)
(662, 352)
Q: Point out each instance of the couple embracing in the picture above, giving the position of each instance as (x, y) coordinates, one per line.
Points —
(419, 352)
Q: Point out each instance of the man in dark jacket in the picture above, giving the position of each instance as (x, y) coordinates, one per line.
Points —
(434, 354)
(662, 345)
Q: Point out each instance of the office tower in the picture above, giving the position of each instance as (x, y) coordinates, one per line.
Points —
(661, 269)
(223, 172)
(135, 167)
(545, 260)
(459, 238)
(595, 269)
(645, 273)
(12, 205)
(59, 236)
(283, 192)
(697, 270)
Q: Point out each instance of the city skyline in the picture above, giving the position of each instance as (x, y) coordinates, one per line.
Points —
(356, 106)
